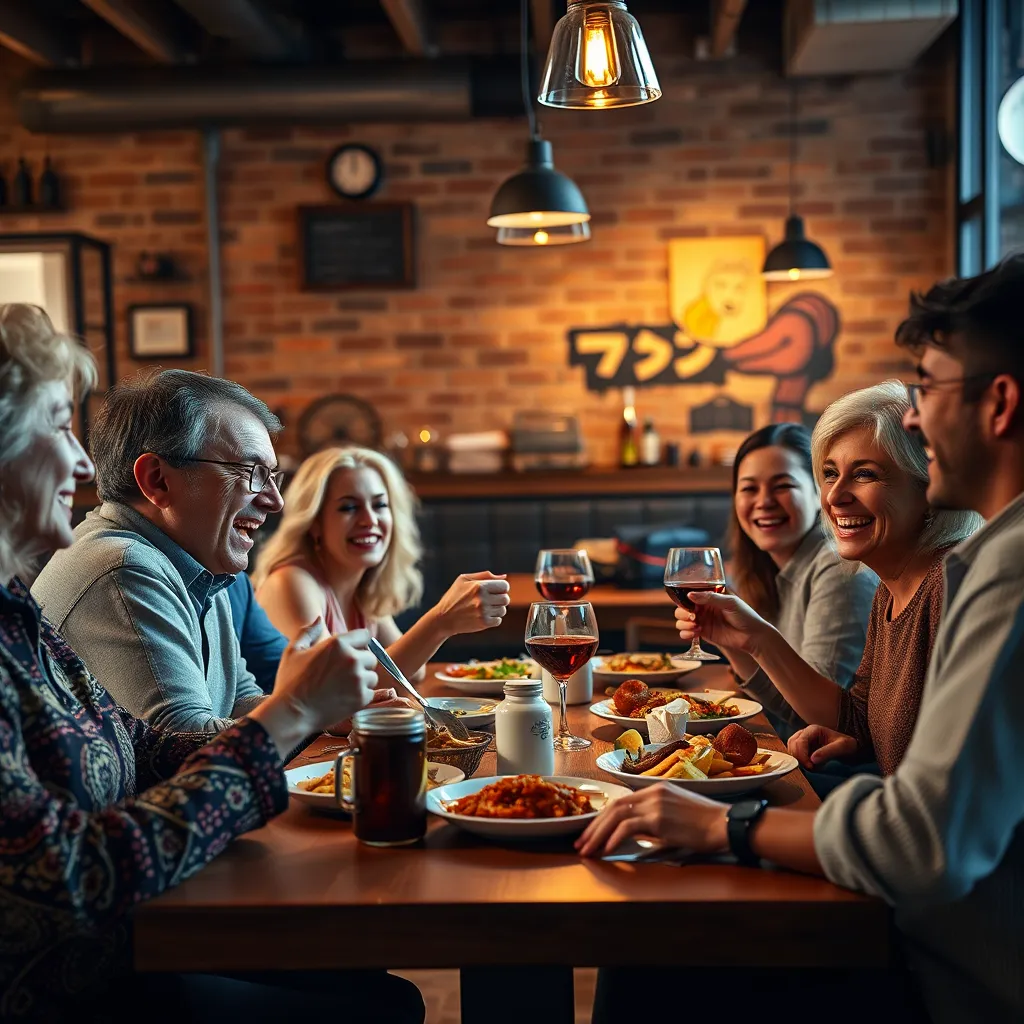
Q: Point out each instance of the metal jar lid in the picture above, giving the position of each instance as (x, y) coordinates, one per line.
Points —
(524, 688)
(389, 722)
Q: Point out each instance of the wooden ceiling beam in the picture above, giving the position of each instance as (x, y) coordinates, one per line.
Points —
(412, 25)
(543, 19)
(248, 24)
(25, 33)
(145, 24)
(724, 23)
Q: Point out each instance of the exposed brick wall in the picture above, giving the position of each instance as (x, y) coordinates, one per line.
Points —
(484, 331)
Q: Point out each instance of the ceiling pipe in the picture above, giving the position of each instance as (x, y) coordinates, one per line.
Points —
(142, 99)
(248, 24)
(412, 26)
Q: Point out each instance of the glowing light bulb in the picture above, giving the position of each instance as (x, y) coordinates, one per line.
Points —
(425, 436)
(794, 274)
(597, 64)
(541, 237)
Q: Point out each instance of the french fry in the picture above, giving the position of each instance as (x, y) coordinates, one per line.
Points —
(750, 769)
(718, 765)
(685, 770)
(663, 766)
(761, 758)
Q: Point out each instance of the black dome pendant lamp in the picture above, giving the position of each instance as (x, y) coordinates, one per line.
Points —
(796, 257)
(538, 205)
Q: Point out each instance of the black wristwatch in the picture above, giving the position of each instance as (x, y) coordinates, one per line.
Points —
(739, 821)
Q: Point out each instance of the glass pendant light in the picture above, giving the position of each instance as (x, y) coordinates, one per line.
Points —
(598, 58)
(532, 206)
(561, 234)
(796, 257)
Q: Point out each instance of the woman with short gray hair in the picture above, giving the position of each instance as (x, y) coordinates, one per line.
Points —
(873, 478)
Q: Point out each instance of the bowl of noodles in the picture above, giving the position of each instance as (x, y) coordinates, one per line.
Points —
(466, 755)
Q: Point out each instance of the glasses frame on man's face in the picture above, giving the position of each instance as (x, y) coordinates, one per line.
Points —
(917, 390)
(259, 475)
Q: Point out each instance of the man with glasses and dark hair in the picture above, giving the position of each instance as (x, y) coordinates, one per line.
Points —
(186, 472)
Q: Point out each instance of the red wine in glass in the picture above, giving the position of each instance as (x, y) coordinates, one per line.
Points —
(561, 591)
(562, 655)
(678, 592)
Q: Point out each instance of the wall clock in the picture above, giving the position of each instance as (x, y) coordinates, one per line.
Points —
(354, 171)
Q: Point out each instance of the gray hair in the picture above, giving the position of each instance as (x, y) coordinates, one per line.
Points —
(882, 408)
(32, 354)
(166, 412)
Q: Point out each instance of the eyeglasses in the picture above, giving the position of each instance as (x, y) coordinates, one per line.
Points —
(259, 475)
(915, 391)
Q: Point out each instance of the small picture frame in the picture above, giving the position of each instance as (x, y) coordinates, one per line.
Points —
(160, 331)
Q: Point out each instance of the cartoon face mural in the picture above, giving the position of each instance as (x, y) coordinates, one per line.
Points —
(721, 329)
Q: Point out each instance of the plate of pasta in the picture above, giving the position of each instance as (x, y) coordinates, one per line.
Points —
(523, 807)
(313, 784)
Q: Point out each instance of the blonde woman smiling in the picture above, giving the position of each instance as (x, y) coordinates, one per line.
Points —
(347, 549)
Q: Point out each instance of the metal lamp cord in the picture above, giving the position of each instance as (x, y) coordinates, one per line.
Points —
(524, 68)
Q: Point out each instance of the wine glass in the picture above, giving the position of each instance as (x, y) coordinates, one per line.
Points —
(563, 574)
(562, 638)
(689, 569)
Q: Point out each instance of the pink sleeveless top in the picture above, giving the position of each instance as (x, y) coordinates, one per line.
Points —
(334, 617)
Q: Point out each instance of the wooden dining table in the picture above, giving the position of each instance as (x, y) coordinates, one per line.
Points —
(302, 893)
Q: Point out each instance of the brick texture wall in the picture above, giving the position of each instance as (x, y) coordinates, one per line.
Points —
(483, 334)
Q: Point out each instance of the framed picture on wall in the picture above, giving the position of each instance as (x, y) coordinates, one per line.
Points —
(160, 331)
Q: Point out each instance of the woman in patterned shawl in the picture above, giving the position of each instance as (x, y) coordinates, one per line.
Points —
(97, 810)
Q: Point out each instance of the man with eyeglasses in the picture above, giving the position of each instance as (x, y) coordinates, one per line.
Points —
(187, 474)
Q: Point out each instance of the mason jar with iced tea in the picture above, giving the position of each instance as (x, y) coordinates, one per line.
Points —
(387, 797)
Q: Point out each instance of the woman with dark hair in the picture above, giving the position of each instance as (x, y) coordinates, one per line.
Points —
(783, 567)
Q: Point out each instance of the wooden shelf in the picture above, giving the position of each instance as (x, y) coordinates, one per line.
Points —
(32, 208)
(596, 482)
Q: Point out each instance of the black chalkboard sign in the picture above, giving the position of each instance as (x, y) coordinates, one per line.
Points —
(357, 246)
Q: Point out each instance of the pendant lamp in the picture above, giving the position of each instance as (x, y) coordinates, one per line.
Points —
(796, 257)
(597, 59)
(529, 207)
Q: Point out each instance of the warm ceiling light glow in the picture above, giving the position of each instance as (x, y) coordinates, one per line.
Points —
(597, 63)
(425, 436)
(794, 274)
(541, 237)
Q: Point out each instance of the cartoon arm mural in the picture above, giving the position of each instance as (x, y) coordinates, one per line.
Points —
(795, 347)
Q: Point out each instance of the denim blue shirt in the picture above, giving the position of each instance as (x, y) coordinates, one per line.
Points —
(149, 621)
(262, 645)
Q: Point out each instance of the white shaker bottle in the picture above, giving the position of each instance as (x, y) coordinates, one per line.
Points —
(523, 731)
(578, 690)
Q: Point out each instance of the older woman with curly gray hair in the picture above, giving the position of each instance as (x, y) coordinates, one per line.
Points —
(873, 476)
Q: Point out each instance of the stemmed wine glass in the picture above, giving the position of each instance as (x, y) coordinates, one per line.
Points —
(562, 638)
(563, 574)
(689, 569)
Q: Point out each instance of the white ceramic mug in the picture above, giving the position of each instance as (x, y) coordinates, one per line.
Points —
(579, 690)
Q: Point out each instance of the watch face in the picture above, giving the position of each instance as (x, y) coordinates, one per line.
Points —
(354, 171)
(744, 810)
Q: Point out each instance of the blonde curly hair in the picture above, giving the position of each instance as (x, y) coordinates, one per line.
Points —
(32, 354)
(387, 589)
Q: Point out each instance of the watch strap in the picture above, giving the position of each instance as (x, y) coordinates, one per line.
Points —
(740, 819)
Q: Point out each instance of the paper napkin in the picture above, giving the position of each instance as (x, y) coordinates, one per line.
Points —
(668, 722)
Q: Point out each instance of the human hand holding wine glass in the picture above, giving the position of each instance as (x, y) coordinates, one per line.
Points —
(563, 574)
(562, 638)
(689, 569)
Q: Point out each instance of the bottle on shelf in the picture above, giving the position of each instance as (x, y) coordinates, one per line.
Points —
(629, 449)
(22, 189)
(650, 445)
(49, 186)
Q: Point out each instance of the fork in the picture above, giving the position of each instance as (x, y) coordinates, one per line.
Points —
(440, 719)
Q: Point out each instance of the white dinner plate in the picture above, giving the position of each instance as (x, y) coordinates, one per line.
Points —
(442, 774)
(483, 687)
(779, 764)
(660, 678)
(747, 708)
(475, 712)
(519, 829)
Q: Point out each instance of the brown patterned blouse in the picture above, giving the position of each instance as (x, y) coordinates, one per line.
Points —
(880, 709)
(99, 812)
